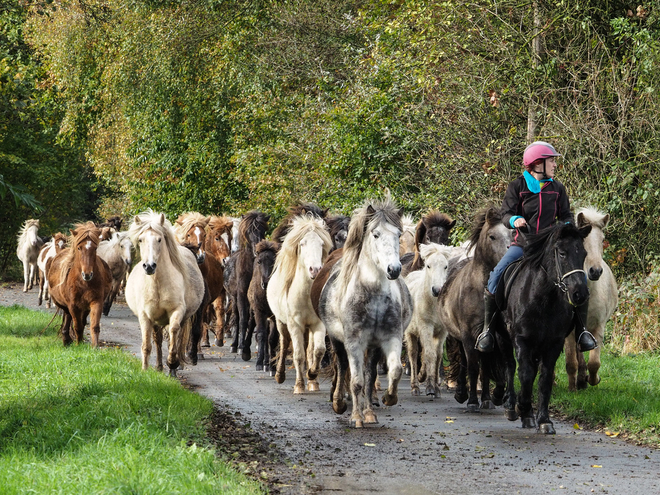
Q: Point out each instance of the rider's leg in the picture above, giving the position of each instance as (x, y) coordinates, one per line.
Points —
(585, 340)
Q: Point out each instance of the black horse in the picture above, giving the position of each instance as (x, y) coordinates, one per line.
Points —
(261, 321)
(539, 316)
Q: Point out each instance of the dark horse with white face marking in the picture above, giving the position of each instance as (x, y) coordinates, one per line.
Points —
(539, 316)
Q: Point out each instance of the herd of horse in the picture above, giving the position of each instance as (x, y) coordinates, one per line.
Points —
(355, 288)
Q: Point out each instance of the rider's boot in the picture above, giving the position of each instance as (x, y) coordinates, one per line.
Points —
(486, 339)
(585, 340)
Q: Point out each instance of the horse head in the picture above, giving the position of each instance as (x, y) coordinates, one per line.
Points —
(407, 239)
(338, 227)
(490, 238)
(252, 229)
(434, 227)
(106, 233)
(265, 261)
(126, 248)
(593, 243)
(86, 238)
(436, 265)
(59, 241)
(308, 243)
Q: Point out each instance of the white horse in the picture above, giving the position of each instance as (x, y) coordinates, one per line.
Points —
(425, 327)
(165, 290)
(48, 251)
(29, 245)
(603, 299)
(117, 253)
(365, 307)
(298, 262)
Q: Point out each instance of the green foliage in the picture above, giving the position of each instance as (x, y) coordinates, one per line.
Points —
(91, 421)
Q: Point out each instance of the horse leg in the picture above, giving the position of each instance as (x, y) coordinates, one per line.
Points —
(317, 334)
(42, 283)
(175, 331)
(509, 395)
(66, 327)
(234, 326)
(296, 333)
(26, 276)
(158, 341)
(147, 330)
(219, 309)
(594, 357)
(340, 369)
(196, 325)
(435, 362)
(546, 379)
(392, 351)
(429, 347)
(261, 337)
(249, 331)
(411, 345)
(244, 339)
(356, 364)
(273, 344)
(570, 349)
(526, 374)
(78, 325)
(95, 323)
(285, 340)
(473, 368)
(373, 358)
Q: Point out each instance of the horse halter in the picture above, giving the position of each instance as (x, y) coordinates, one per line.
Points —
(560, 280)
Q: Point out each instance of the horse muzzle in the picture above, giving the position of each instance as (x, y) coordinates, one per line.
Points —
(200, 258)
(314, 271)
(595, 272)
(149, 268)
(87, 276)
(393, 271)
(435, 291)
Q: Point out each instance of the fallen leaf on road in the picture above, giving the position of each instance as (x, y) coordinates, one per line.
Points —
(596, 466)
(577, 426)
(369, 444)
(612, 433)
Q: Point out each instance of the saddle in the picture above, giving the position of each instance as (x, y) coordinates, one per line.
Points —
(505, 283)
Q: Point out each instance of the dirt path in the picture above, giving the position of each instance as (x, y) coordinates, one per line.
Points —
(421, 446)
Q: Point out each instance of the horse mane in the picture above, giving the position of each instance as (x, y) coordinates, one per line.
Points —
(22, 234)
(537, 246)
(489, 214)
(287, 258)
(426, 250)
(593, 216)
(222, 224)
(187, 221)
(252, 221)
(432, 219)
(151, 220)
(408, 223)
(336, 223)
(80, 233)
(267, 245)
(370, 214)
(299, 209)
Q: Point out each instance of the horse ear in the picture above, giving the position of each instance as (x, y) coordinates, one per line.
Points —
(370, 210)
(136, 220)
(400, 212)
(606, 220)
(490, 215)
(585, 231)
(161, 220)
(581, 220)
(179, 221)
(451, 225)
(73, 232)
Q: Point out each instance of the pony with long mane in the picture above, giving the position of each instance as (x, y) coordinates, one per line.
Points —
(252, 231)
(425, 330)
(603, 298)
(294, 211)
(461, 308)
(365, 307)
(165, 291)
(407, 239)
(118, 254)
(432, 227)
(29, 245)
(79, 281)
(48, 251)
(301, 256)
(539, 316)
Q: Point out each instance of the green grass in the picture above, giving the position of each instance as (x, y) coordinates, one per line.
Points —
(80, 420)
(627, 400)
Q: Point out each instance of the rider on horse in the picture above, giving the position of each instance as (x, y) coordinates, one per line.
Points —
(533, 201)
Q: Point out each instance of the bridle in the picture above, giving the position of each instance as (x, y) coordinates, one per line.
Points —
(560, 279)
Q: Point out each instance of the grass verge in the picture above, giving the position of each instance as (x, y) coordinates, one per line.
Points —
(626, 403)
(80, 420)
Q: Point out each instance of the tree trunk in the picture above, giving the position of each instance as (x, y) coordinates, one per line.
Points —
(536, 59)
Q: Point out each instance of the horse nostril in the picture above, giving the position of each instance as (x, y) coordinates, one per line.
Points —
(595, 273)
(393, 271)
(435, 291)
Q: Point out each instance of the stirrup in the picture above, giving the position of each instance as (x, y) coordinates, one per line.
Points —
(586, 341)
(485, 342)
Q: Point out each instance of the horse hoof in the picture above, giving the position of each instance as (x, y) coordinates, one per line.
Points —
(173, 372)
(547, 429)
(370, 418)
(510, 414)
(259, 367)
(233, 349)
(430, 390)
(272, 373)
(597, 381)
(246, 356)
(313, 386)
(461, 397)
(357, 423)
(390, 400)
(298, 389)
(487, 404)
(582, 384)
(414, 392)
(218, 343)
(473, 408)
(528, 423)
(280, 377)
(339, 407)
(205, 344)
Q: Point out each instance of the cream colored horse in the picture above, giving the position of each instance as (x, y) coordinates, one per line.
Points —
(407, 239)
(603, 299)
(298, 262)
(29, 245)
(165, 290)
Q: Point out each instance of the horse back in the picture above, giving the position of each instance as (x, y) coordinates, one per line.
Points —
(322, 278)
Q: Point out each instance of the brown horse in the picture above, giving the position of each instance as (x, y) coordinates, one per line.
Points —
(219, 237)
(433, 227)
(191, 232)
(79, 282)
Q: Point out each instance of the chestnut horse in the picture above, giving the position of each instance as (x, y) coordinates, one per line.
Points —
(79, 281)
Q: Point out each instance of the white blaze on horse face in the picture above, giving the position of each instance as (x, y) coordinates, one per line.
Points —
(383, 247)
(60, 244)
(150, 247)
(225, 237)
(311, 254)
(198, 235)
(32, 235)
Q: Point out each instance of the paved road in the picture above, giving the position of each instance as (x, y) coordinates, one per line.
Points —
(420, 446)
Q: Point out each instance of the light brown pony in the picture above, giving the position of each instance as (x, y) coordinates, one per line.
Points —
(219, 237)
(50, 249)
(191, 232)
(79, 281)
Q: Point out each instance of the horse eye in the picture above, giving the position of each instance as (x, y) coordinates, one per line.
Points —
(376, 235)
(562, 254)
(158, 240)
(428, 266)
(258, 262)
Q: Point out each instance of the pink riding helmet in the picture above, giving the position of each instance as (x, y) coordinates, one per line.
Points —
(538, 150)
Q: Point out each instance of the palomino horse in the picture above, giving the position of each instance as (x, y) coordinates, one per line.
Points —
(425, 327)
(118, 254)
(191, 232)
(539, 316)
(365, 307)
(260, 314)
(462, 301)
(50, 249)
(252, 231)
(603, 299)
(164, 291)
(298, 262)
(29, 245)
(79, 281)
(407, 240)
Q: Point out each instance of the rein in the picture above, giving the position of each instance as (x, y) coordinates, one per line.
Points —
(560, 279)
